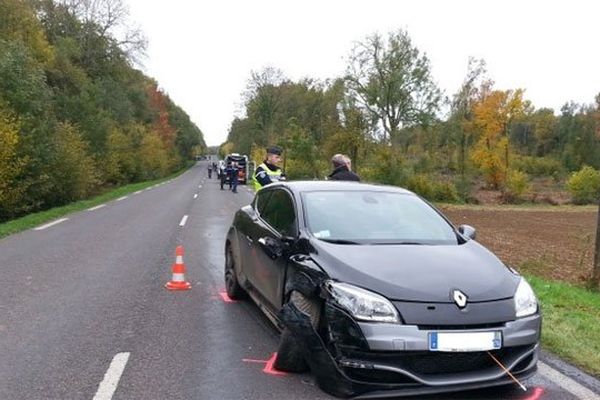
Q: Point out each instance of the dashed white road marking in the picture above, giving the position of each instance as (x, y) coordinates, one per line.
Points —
(111, 378)
(97, 207)
(199, 186)
(138, 192)
(566, 383)
(196, 195)
(121, 198)
(48, 225)
(183, 220)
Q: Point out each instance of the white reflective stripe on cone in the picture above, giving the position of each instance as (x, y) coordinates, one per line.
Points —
(178, 278)
(179, 260)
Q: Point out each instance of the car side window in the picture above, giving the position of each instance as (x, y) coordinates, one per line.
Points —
(262, 198)
(279, 213)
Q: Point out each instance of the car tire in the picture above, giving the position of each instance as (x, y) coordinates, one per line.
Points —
(289, 354)
(232, 285)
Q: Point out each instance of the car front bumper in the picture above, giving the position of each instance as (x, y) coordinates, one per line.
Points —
(374, 360)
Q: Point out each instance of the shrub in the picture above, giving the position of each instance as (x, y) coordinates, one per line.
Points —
(422, 185)
(538, 166)
(517, 185)
(432, 189)
(584, 185)
(464, 186)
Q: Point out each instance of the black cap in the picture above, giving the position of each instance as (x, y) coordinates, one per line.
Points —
(274, 150)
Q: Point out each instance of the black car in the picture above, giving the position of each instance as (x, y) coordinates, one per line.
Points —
(378, 293)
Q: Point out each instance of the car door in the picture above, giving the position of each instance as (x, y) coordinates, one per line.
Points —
(250, 234)
(276, 221)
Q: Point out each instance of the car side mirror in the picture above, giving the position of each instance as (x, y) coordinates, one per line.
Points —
(271, 247)
(467, 231)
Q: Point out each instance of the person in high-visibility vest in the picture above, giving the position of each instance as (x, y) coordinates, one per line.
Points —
(269, 172)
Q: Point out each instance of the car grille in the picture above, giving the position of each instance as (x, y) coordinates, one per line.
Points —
(425, 363)
(461, 327)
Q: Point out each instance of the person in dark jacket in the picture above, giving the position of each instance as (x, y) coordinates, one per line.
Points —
(342, 169)
(233, 180)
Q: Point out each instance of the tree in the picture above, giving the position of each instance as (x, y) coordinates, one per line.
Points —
(262, 101)
(11, 165)
(393, 81)
(474, 87)
(72, 170)
(492, 117)
(18, 23)
(544, 131)
(109, 20)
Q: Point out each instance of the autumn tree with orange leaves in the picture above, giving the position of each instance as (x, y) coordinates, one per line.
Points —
(493, 116)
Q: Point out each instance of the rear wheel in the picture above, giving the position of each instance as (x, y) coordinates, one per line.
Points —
(289, 354)
(232, 286)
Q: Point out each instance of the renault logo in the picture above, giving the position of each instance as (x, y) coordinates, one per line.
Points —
(459, 298)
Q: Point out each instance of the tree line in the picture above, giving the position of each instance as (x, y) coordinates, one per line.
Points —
(76, 116)
(388, 114)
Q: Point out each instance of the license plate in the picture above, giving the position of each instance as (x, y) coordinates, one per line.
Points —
(465, 341)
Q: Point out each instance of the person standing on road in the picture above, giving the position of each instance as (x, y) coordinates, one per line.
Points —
(269, 172)
(342, 169)
(233, 180)
(209, 171)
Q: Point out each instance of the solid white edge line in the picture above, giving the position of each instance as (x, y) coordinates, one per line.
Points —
(111, 378)
(196, 195)
(121, 198)
(97, 207)
(183, 220)
(48, 225)
(138, 192)
(565, 382)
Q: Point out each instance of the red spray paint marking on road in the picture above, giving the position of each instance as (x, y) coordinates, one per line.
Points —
(268, 369)
(226, 298)
(536, 395)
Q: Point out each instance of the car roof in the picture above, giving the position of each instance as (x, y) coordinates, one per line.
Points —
(311, 186)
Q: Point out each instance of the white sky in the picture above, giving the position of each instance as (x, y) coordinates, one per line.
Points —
(202, 52)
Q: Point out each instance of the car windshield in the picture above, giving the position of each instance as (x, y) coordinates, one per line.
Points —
(372, 217)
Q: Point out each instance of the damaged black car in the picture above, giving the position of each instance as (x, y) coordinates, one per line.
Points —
(378, 294)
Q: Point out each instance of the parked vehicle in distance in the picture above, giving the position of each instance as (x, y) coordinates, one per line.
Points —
(242, 163)
(378, 292)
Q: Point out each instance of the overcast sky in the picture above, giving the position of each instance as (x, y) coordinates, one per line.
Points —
(202, 52)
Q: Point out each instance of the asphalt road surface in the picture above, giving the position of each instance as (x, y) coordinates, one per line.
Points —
(84, 313)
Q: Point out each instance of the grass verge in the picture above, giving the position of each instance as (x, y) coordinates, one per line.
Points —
(39, 218)
(571, 322)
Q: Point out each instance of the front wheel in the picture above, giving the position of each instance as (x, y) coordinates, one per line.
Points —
(289, 354)
(232, 286)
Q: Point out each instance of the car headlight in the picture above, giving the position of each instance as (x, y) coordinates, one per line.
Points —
(363, 304)
(525, 300)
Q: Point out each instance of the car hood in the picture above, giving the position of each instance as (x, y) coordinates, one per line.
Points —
(424, 273)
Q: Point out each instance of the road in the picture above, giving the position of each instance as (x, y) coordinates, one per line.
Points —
(84, 311)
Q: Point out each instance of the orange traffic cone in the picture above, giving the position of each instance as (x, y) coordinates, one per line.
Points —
(178, 281)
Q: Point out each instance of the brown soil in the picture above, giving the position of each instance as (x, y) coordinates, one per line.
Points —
(553, 244)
